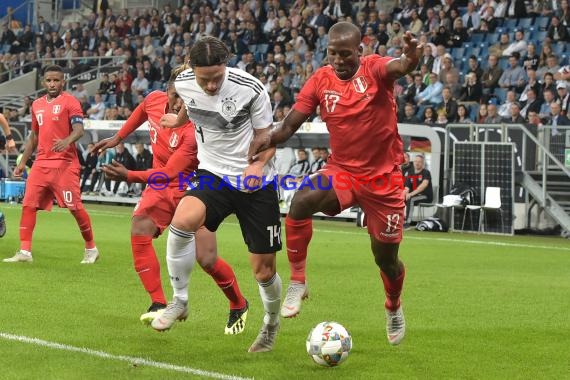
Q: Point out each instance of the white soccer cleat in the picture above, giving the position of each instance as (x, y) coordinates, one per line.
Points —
(19, 257)
(395, 326)
(265, 339)
(296, 293)
(177, 310)
(90, 256)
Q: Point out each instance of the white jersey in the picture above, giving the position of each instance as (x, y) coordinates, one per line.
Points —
(225, 122)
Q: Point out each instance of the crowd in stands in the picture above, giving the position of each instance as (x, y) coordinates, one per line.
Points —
(484, 61)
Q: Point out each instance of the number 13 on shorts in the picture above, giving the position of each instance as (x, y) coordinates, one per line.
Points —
(274, 234)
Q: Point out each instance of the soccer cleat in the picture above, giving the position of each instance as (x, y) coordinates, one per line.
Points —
(153, 312)
(176, 310)
(19, 257)
(90, 256)
(236, 320)
(395, 326)
(2, 225)
(266, 338)
(296, 293)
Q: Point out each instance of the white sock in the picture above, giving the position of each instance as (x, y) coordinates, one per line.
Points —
(270, 293)
(180, 259)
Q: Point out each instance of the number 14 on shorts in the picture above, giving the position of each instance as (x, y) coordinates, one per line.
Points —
(274, 234)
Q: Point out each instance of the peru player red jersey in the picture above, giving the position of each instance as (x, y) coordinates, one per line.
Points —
(51, 120)
(360, 114)
(176, 146)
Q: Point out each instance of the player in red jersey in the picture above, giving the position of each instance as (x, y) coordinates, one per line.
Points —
(174, 153)
(57, 123)
(356, 102)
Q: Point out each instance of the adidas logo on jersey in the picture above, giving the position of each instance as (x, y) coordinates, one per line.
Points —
(192, 103)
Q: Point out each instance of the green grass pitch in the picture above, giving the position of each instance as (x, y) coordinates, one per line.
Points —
(477, 307)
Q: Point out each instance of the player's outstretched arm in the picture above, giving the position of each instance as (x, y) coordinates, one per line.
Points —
(279, 133)
(408, 61)
(30, 147)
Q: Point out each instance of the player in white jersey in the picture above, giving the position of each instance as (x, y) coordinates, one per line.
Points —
(228, 107)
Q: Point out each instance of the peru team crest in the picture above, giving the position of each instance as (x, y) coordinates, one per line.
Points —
(56, 109)
(360, 84)
(174, 140)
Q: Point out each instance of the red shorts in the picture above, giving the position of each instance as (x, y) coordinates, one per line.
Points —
(381, 197)
(159, 205)
(45, 184)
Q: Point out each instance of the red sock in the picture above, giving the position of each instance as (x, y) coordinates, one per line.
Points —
(27, 225)
(298, 234)
(393, 289)
(84, 224)
(147, 266)
(225, 277)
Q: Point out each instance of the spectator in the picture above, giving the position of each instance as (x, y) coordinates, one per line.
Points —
(498, 48)
(548, 84)
(563, 97)
(472, 91)
(448, 105)
(89, 169)
(557, 118)
(318, 162)
(447, 68)
(482, 114)
(429, 117)
(531, 58)
(519, 45)
(549, 98)
(505, 108)
(140, 83)
(471, 19)
(97, 109)
(514, 77)
(409, 115)
(557, 32)
(125, 158)
(532, 103)
(432, 93)
(463, 114)
(418, 187)
(492, 115)
(550, 67)
(515, 117)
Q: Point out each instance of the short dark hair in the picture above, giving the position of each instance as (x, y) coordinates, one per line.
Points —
(209, 51)
(53, 68)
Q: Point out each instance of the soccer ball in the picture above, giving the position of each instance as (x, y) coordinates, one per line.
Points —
(329, 344)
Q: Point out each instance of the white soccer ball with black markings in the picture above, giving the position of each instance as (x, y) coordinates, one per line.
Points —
(329, 344)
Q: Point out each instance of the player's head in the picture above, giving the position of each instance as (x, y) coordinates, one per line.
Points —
(53, 80)
(208, 58)
(344, 49)
(174, 101)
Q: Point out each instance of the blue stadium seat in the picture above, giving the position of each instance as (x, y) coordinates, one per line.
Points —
(503, 62)
(473, 111)
(477, 38)
(492, 38)
(542, 22)
(559, 48)
(510, 24)
(524, 23)
(476, 51)
(252, 48)
(155, 42)
(500, 94)
(263, 48)
(540, 36)
(457, 53)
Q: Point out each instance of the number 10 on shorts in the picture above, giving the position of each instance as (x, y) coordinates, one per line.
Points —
(274, 233)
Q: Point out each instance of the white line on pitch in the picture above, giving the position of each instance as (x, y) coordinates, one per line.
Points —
(129, 359)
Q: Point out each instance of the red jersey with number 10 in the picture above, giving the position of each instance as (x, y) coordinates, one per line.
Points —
(51, 120)
(360, 114)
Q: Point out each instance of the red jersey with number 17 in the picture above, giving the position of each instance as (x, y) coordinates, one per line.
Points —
(51, 120)
(360, 114)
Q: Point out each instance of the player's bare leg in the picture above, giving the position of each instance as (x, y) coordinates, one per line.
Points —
(392, 272)
(299, 230)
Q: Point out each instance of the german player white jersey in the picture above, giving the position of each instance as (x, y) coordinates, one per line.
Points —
(225, 122)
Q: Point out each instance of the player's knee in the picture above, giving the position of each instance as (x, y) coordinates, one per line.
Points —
(143, 226)
(263, 267)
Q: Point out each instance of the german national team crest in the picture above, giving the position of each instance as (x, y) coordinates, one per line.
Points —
(360, 84)
(229, 107)
(56, 109)
(174, 139)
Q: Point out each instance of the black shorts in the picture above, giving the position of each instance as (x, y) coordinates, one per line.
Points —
(258, 212)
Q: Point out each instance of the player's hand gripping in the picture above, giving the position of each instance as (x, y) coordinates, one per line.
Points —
(252, 176)
(260, 142)
(107, 143)
(11, 146)
(115, 171)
